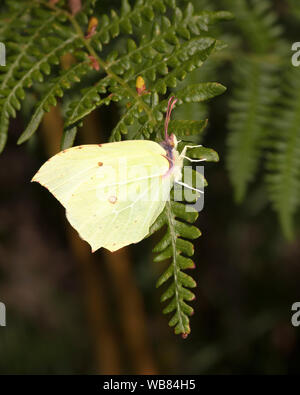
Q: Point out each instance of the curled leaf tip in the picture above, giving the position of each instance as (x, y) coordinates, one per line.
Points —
(140, 85)
(92, 26)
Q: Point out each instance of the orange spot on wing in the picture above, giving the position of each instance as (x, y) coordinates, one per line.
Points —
(100, 164)
(79, 147)
(99, 145)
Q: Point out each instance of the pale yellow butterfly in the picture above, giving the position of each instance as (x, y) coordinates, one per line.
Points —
(114, 192)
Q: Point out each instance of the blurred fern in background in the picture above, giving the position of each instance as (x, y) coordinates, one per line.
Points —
(263, 105)
(263, 132)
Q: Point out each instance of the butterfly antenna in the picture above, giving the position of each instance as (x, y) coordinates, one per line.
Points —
(189, 186)
(171, 104)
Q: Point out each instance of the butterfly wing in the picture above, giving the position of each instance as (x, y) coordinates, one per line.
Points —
(112, 192)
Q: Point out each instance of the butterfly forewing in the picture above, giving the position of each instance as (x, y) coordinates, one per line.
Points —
(112, 192)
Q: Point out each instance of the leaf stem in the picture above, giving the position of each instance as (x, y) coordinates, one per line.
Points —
(101, 62)
(171, 225)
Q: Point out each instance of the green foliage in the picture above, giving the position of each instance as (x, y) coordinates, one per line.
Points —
(176, 248)
(159, 41)
(283, 161)
(255, 83)
(250, 113)
(295, 8)
(165, 55)
(257, 23)
(55, 89)
(173, 246)
(260, 124)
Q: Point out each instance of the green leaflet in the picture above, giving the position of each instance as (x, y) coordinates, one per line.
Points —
(56, 89)
(182, 128)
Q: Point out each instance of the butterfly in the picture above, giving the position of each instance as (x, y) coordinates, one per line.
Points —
(114, 192)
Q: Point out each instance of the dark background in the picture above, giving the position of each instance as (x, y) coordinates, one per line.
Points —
(72, 312)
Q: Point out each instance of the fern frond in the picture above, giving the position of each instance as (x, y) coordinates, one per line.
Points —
(196, 93)
(258, 22)
(161, 58)
(179, 250)
(175, 47)
(283, 163)
(255, 92)
(176, 248)
(250, 112)
(30, 57)
(13, 13)
(55, 89)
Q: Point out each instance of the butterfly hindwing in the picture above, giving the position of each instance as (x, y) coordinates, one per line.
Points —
(114, 222)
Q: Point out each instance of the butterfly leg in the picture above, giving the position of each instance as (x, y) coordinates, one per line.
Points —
(193, 160)
(183, 152)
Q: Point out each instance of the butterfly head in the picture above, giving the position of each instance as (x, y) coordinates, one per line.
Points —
(170, 145)
(170, 140)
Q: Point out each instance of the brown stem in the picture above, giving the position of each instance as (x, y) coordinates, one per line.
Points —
(131, 310)
(105, 344)
(106, 350)
(75, 6)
